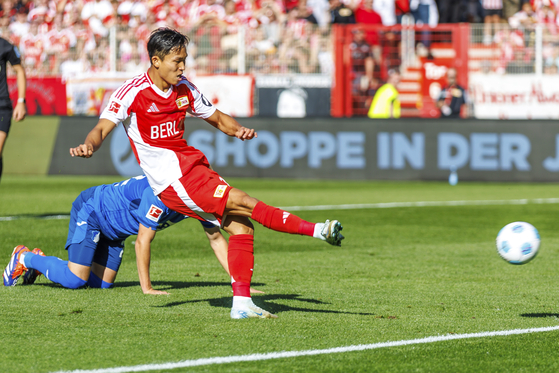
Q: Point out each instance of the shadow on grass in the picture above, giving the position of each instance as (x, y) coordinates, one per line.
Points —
(540, 315)
(49, 216)
(166, 285)
(161, 285)
(265, 301)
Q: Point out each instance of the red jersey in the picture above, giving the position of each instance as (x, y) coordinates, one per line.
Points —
(154, 122)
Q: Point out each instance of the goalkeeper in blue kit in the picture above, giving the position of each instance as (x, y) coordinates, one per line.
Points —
(102, 217)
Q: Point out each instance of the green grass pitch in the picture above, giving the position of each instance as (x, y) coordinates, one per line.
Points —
(401, 274)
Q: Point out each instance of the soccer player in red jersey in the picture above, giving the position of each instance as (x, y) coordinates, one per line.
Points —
(152, 108)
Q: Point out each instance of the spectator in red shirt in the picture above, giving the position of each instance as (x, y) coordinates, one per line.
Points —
(365, 15)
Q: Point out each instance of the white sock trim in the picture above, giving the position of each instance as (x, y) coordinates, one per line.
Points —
(241, 302)
(318, 227)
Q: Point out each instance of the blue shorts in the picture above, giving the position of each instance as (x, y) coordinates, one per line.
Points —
(86, 244)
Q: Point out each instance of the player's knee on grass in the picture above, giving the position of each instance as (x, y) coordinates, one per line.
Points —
(64, 276)
(95, 282)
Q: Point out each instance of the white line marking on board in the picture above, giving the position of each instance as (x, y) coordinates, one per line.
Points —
(288, 354)
(360, 206)
(388, 205)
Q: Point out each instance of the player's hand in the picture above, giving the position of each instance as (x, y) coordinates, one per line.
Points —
(155, 292)
(244, 133)
(254, 291)
(84, 151)
(19, 112)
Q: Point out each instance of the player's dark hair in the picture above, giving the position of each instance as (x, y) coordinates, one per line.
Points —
(164, 40)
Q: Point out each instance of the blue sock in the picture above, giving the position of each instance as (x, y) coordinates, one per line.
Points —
(95, 282)
(54, 269)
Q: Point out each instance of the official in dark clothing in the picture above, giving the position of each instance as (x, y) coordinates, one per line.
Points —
(452, 97)
(10, 53)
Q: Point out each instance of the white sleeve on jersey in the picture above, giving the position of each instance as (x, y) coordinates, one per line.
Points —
(122, 98)
(116, 111)
(201, 107)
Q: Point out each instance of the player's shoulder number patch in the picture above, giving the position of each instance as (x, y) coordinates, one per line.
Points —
(220, 191)
(154, 213)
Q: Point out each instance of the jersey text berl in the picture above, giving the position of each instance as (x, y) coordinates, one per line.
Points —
(154, 122)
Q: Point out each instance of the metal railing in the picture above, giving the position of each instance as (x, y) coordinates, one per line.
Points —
(532, 49)
(293, 48)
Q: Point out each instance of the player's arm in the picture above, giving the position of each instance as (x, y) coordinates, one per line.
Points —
(219, 245)
(228, 125)
(20, 111)
(143, 257)
(94, 139)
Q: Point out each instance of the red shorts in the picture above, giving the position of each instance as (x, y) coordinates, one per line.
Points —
(201, 194)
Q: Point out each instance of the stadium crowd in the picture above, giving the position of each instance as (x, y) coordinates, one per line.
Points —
(69, 37)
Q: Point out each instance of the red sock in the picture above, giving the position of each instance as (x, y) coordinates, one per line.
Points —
(240, 257)
(281, 221)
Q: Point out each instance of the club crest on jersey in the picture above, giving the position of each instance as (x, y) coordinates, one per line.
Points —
(154, 213)
(114, 107)
(182, 102)
(220, 191)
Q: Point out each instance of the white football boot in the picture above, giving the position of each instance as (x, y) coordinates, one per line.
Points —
(244, 308)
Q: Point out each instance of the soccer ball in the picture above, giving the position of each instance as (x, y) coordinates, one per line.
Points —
(518, 242)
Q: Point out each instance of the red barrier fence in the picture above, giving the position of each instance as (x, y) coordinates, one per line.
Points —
(406, 48)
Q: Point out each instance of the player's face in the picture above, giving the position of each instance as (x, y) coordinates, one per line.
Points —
(171, 68)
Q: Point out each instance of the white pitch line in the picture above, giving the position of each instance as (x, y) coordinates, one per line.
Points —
(388, 205)
(42, 217)
(288, 354)
(360, 206)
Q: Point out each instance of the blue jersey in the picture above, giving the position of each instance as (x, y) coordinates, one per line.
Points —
(121, 207)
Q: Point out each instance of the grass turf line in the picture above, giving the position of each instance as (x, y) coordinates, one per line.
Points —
(292, 354)
(402, 273)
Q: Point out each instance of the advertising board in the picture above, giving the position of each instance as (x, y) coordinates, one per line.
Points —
(345, 149)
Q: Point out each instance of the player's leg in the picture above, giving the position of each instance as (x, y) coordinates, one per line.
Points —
(240, 203)
(240, 258)
(5, 121)
(69, 275)
(106, 263)
(203, 194)
(83, 237)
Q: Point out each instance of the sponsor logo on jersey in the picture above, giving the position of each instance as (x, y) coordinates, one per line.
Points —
(220, 191)
(153, 108)
(114, 107)
(154, 213)
(182, 102)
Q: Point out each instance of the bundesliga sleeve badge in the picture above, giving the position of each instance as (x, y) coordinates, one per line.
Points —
(114, 107)
(154, 213)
